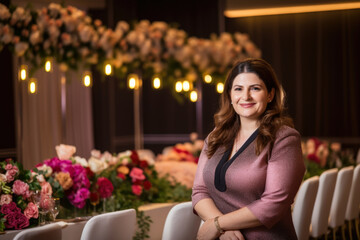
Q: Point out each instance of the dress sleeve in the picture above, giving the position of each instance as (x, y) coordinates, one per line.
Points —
(199, 190)
(285, 172)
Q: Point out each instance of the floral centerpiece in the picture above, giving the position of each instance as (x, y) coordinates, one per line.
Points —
(63, 177)
(320, 155)
(16, 188)
(179, 163)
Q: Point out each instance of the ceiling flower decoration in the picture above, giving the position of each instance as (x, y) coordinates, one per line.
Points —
(75, 40)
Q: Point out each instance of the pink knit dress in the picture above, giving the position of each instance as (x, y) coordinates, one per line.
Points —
(265, 184)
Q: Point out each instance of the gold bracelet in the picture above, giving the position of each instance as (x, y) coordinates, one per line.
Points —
(217, 225)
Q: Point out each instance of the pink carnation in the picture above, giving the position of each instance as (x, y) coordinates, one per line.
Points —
(5, 199)
(137, 174)
(20, 188)
(31, 211)
(16, 220)
(136, 189)
(45, 202)
(105, 187)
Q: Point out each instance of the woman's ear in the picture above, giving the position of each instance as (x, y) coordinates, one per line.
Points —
(271, 95)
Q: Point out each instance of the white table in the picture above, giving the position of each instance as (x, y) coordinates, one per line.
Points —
(72, 230)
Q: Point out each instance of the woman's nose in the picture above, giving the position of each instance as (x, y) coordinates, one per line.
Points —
(246, 95)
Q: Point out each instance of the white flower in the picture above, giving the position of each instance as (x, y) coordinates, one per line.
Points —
(2, 177)
(86, 33)
(35, 37)
(20, 48)
(96, 165)
(95, 153)
(4, 12)
(40, 178)
(65, 152)
(46, 169)
(122, 26)
(81, 161)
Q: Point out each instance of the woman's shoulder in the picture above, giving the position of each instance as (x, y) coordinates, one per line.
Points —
(286, 131)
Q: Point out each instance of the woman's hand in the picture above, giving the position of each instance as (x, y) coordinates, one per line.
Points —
(208, 230)
(232, 235)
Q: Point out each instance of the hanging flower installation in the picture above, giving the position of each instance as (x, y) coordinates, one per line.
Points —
(75, 40)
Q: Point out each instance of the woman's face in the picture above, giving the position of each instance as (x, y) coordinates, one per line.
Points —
(249, 96)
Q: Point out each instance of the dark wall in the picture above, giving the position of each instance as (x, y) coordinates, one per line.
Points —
(316, 57)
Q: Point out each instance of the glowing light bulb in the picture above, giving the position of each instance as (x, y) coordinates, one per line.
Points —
(220, 87)
(32, 86)
(108, 69)
(48, 65)
(178, 86)
(186, 86)
(87, 79)
(23, 72)
(193, 96)
(156, 83)
(207, 78)
(132, 83)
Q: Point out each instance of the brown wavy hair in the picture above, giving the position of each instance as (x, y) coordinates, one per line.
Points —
(227, 121)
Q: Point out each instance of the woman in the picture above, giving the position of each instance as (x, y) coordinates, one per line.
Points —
(251, 165)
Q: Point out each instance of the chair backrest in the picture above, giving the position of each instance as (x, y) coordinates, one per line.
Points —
(303, 207)
(352, 209)
(49, 231)
(341, 197)
(321, 211)
(111, 226)
(181, 223)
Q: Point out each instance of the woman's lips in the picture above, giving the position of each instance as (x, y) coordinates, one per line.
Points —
(247, 105)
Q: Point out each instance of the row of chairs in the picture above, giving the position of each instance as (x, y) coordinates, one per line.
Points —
(327, 203)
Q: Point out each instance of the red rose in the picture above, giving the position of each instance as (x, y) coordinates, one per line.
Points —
(16, 220)
(105, 187)
(89, 173)
(144, 164)
(121, 175)
(135, 157)
(9, 208)
(147, 185)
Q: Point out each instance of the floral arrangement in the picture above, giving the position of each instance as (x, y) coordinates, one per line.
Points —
(75, 40)
(320, 155)
(16, 188)
(179, 163)
(63, 176)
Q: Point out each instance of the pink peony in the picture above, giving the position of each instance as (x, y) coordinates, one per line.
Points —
(46, 188)
(20, 187)
(105, 187)
(16, 220)
(136, 189)
(137, 174)
(5, 199)
(9, 208)
(31, 211)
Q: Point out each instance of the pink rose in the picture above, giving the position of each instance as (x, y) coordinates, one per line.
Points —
(105, 187)
(10, 175)
(137, 174)
(65, 152)
(5, 199)
(8, 166)
(31, 211)
(136, 189)
(16, 220)
(46, 188)
(20, 187)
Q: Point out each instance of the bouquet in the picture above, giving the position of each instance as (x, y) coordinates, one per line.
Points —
(64, 176)
(16, 188)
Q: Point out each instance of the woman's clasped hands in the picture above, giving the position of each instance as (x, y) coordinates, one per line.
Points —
(208, 231)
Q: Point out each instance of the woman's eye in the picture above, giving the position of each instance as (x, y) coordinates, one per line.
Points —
(256, 88)
(238, 89)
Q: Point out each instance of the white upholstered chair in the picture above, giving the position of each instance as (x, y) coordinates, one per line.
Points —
(181, 223)
(321, 211)
(111, 226)
(340, 199)
(352, 209)
(49, 231)
(303, 207)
